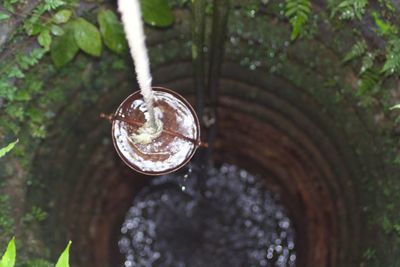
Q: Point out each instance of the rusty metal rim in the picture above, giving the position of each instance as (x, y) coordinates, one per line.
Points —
(196, 145)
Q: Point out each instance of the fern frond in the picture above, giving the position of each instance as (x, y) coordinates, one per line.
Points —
(53, 4)
(357, 50)
(392, 63)
(368, 81)
(367, 62)
(298, 12)
(350, 9)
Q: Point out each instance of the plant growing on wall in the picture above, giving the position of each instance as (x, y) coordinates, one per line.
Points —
(298, 13)
(8, 148)
(8, 259)
(62, 33)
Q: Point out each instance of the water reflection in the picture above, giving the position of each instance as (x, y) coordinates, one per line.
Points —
(233, 222)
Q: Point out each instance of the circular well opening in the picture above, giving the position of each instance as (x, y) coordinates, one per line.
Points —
(260, 130)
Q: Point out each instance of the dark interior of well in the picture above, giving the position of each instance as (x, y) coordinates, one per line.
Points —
(302, 97)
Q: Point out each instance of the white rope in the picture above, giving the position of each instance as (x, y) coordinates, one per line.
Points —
(132, 21)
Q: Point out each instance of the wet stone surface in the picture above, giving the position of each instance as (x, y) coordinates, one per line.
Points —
(222, 218)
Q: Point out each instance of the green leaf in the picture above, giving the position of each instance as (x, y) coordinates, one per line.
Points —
(8, 259)
(4, 151)
(53, 4)
(4, 16)
(15, 72)
(392, 63)
(56, 30)
(384, 27)
(22, 95)
(157, 12)
(395, 107)
(350, 9)
(87, 37)
(44, 39)
(369, 80)
(111, 31)
(64, 48)
(63, 261)
(357, 50)
(62, 16)
(298, 13)
(367, 62)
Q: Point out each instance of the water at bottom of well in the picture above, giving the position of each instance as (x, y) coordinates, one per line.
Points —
(232, 221)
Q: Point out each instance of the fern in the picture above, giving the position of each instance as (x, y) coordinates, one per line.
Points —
(9, 5)
(53, 4)
(369, 79)
(384, 27)
(298, 13)
(27, 61)
(367, 62)
(350, 9)
(356, 51)
(392, 63)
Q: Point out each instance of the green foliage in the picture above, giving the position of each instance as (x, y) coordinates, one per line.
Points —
(112, 31)
(64, 48)
(36, 23)
(27, 61)
(384, 27)
(250, 10)
(53, 4)
(63, 261)
(4, 16)
(390, 226)
(369, 254)
(44, 39)
(87, 37)
(350, 9)
(77, 34)
(8, 148)
(56, 30)
(356, 51)
(367, 62)
(36, 214)
(298, 13)
(392, 63)
(8, 259)
(62, 16)
(369, 79)
(9, 5)
(157, 12)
